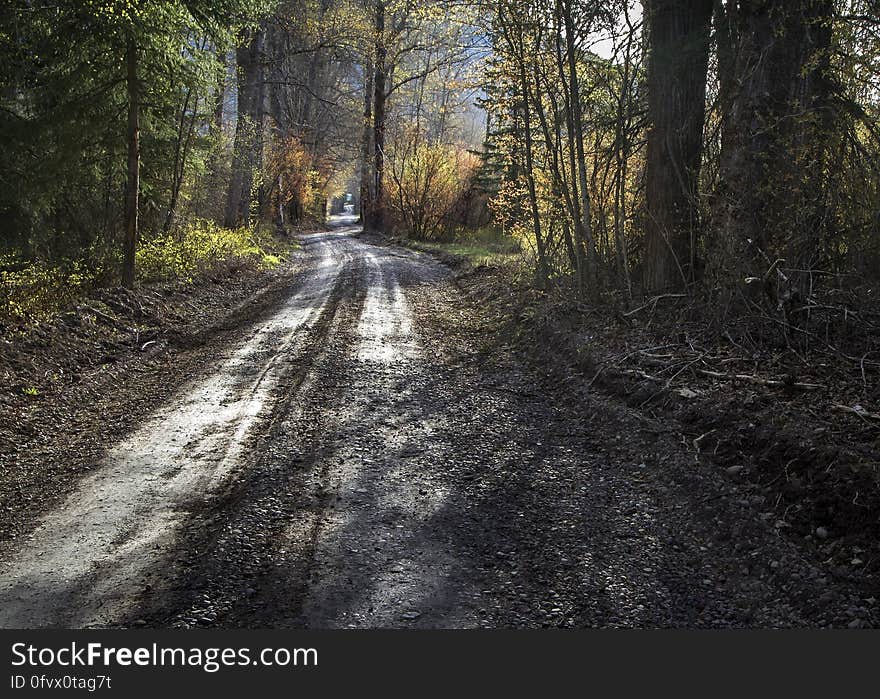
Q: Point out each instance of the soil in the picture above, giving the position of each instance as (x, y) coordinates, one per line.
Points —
(792, 425)
(77, 382)
(369, 445)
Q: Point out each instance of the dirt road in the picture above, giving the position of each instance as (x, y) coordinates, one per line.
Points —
(351, 463)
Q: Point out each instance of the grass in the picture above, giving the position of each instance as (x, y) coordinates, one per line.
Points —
(34, 290)
(485, 246)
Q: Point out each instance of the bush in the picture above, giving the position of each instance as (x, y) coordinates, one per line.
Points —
(32, 290)
(426, 181)
(200, 248)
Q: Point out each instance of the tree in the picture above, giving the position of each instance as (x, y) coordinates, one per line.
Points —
(376, 218)
(134, 163)
(409, 41)
(778, 120)
(247, 149)
(678, 54)
(427, 179)
(78, 180)
(583, 223)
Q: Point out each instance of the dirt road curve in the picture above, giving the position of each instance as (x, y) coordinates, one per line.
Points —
(351, 464)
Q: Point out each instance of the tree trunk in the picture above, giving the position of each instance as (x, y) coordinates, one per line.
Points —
(553, 139)
(585, 227)
(366, 193)
(220, 92)
(621, 156)
(574, 184)
(249, 64)
(181, 153)
(133, 179)
(258, 117)
(543, 272)
(377, 205)
(776, 128)
(216, 160)
(279, 211)
(724, 19)
(678, 36)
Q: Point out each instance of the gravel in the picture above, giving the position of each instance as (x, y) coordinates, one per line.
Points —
(402, 475)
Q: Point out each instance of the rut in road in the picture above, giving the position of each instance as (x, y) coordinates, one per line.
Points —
(344, 488)
(353, 463)
(81, 565)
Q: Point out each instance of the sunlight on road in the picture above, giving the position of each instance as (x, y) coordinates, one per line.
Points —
(385, 327)
(80, 564)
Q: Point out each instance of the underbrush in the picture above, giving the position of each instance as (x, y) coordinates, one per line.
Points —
(203, 247)
(787, 407)
(34, 290)
(485, 246)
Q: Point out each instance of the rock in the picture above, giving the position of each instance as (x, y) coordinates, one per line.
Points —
(822, 532)
(410, 616)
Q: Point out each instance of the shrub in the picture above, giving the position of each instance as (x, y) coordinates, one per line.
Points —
(202, 246)
(32, 290)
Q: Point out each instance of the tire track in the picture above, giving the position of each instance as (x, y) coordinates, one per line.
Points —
(85, 562)
(223, 552)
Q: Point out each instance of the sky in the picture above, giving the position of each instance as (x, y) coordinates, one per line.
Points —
(605, 47)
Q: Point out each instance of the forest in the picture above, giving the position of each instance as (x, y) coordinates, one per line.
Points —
(726, 150)
(610, 265)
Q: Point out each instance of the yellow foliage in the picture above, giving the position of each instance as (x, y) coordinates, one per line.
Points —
(426, 181)
(201, 246)
(298, 176)
(35, 290)
(32, 290)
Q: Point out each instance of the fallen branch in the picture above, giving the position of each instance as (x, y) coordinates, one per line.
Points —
(758, 380)
(653, 303)
(640, 374)
(107, 319)
(861, 412)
